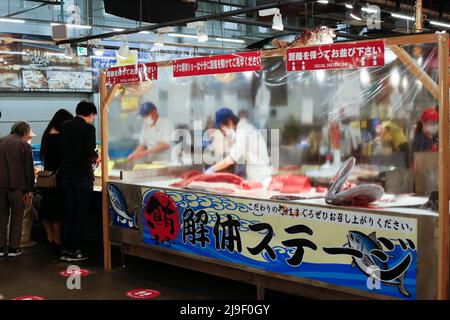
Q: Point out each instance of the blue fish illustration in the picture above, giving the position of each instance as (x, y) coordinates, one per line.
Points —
(373, 261)
(119, 206)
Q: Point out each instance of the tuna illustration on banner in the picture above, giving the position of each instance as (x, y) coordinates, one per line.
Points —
(119, 209)
(368, 255)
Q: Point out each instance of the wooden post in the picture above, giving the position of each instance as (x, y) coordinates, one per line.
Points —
(444, 158)
(419, 16)
(421, 75)
(105, 173)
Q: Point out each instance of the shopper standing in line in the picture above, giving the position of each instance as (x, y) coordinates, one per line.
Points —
(79, 160)
(16, 182)
(52, 206)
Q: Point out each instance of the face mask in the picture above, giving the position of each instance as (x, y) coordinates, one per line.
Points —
(148, 121)
(433, 129)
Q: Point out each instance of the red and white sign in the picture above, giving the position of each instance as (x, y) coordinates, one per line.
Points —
(132, 73)
(226, 63)
(28, 298)
(81, 273)
(336, 56)
(143, 293)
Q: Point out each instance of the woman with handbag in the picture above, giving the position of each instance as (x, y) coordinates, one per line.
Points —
(52, 206)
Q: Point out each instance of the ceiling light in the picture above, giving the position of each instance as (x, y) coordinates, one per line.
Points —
(144, 32)
(70, 25)
(99, 52)
(323, 1)
(12, 20)
(118, 29)
(401, 16)
(268, 12)
(230, 40)
(13, 52)
(368, 10)
(348, 6)
(182, 35)
(277, 23)
(123, 51)
(160, 41)
(440, 24)
(355, 17)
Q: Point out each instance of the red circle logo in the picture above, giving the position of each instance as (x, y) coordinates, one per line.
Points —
(68, 273)
(162, 217)
(143, 294)
(28, 298)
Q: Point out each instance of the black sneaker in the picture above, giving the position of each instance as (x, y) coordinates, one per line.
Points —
(14, 252)
(74, 256)
(2, 252)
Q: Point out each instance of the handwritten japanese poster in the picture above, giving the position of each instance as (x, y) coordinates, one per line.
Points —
(362, 251)
(336, 56)
(226, 63)
(132, 73)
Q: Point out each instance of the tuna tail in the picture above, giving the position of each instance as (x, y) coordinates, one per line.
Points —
(401, 287)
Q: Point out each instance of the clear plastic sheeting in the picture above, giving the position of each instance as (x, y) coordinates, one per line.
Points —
(311, 122)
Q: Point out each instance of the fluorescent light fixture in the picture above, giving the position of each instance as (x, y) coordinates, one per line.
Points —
(440, 24)
(12, 20)
(144, 32)
(268, 12)
(21, 53)
(230, 40)
(182, 35)
(401, 16)
(323, 1)
(118, 29)
(70, 25)
(348, 6)
(369, 10)
(277, 23)
(355, 17)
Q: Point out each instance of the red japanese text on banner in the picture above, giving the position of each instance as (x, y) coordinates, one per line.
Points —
(336, 56)
(132, 73)
(227, 63)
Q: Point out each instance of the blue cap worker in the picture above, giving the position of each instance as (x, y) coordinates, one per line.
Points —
(156, 134)
(249, 147)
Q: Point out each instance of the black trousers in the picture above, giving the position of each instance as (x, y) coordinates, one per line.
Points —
(77, 199)
(11, 199)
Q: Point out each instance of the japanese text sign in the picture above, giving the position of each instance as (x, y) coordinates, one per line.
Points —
(132, 73)
(336, 56)
(227, 63)
(313, 243)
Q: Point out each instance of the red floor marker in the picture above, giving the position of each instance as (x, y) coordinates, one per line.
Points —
(28, 298)
(82, 273)
(143, 294)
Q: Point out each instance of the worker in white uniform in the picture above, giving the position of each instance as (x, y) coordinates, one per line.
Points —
(249, 147)
(156, 136)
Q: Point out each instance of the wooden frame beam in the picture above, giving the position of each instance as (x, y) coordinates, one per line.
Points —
(412, 66)
(444, 170)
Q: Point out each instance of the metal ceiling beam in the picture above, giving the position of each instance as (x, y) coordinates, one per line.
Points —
(182, 22)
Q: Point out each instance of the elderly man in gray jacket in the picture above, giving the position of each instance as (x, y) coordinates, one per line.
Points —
(16, 181)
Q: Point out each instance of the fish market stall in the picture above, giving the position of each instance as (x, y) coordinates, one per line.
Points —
(346, 211)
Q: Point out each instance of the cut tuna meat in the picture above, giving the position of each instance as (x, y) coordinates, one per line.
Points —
(213, 177)
(218, 187)
(290, 184)
(251, 185)
(190, 174)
